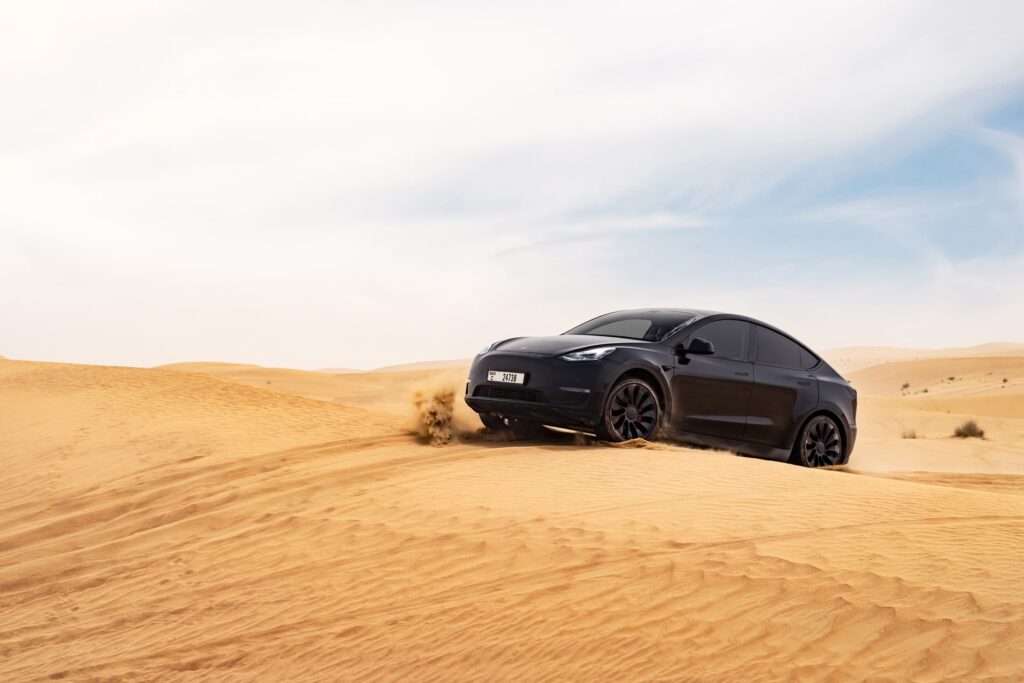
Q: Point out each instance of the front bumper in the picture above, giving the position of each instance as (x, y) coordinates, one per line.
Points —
(556, 392)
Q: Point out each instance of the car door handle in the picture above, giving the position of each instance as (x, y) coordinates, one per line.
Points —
(741, 374)
(805, 382)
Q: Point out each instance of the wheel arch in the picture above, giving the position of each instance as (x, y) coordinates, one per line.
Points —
(657, 383)
(837, 418)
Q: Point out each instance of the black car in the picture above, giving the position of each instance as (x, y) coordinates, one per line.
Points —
(713, 379)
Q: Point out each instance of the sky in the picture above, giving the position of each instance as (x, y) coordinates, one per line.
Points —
(356, 184)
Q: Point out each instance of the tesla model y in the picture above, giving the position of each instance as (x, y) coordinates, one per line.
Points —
(712, 379)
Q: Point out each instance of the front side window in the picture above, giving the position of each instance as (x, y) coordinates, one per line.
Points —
(775, 349)
(729, 338)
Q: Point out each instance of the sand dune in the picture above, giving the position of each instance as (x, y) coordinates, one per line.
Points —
(427, 365)
(388, 391)
(850, 358)
(944, 377)
(202, 523)
(942, 394)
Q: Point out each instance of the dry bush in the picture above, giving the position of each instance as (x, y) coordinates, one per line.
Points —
(909, 433)
(969, 430)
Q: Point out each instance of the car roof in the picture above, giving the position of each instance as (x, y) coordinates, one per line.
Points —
(682, 311)
(702, 315)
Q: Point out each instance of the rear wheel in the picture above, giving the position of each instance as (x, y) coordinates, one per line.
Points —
(631, 412)
(820, 444)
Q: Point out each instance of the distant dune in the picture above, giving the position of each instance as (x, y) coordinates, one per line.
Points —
(929, 398)
(851, 358)
(388, 390)
(225, 521)
(944, 376)
(211, 367)
(427, 365)
(423, 365)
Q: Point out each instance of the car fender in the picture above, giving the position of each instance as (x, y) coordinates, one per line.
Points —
(657, 367)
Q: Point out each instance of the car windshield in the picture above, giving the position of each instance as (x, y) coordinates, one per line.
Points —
(641, 325)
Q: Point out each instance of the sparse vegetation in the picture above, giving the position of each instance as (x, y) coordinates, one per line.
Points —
(969, 430)
(909, 433)
(951, 378)
(906, 385)
(925, 390)
(1005, 380)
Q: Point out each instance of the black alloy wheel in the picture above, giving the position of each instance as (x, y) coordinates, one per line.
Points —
(632, 412)
(821, 444)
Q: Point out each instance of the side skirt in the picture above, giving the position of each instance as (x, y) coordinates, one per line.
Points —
(755, 450)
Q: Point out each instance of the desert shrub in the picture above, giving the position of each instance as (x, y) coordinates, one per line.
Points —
(909, 433)
(906, 385)
(969, 429)
(925, 390)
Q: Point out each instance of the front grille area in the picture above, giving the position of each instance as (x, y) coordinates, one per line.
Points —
(508, 394)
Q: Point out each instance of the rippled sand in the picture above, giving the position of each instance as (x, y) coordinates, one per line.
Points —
(226, 522)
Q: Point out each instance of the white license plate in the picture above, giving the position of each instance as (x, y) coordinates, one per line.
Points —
(506, 377)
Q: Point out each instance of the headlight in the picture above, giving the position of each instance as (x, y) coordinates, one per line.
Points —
(589, 354)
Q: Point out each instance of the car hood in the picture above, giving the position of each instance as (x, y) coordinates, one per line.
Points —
(563, 343)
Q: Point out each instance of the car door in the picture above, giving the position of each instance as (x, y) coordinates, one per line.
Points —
(710, 392)
(783, 392)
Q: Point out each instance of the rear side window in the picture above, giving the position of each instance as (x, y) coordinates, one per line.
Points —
(729, 338)
(807, 359)
(774, 349)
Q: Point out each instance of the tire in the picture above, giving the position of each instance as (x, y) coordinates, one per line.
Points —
(632, 411)
(820, 443)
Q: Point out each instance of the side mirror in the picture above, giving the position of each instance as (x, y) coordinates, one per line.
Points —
(697, 347)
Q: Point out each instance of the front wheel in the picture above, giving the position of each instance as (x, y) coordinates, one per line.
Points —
(820, 444)
(631, 412)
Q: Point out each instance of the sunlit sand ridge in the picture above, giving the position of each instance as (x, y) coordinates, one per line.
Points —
(219, 521)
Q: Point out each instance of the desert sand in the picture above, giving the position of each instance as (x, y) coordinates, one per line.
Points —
(216, 521)
(851, 358)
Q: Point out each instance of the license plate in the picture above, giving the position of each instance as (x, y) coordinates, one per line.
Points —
(506, 377)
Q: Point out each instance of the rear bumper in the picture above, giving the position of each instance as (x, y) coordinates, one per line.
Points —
(556, 392)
